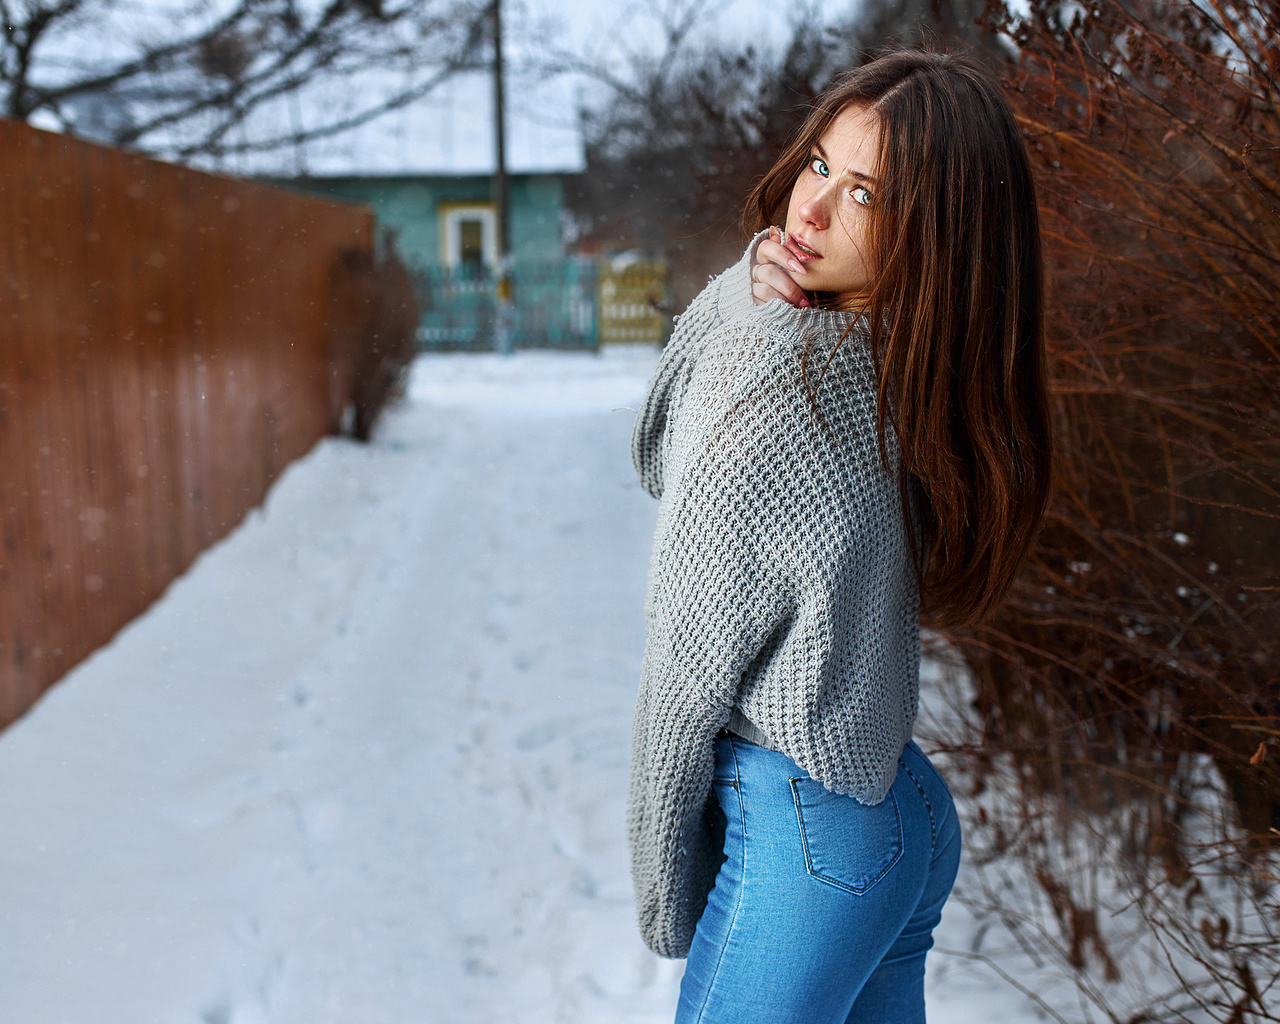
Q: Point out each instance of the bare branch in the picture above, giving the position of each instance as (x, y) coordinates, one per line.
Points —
(184, 89)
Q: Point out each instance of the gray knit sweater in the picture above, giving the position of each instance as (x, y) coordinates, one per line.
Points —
(781, 585)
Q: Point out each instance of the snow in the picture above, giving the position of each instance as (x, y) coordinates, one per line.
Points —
(447, 132)
(444, 128)
(366, 761)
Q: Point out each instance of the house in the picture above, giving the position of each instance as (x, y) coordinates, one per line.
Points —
(426, 170)
(445, 228)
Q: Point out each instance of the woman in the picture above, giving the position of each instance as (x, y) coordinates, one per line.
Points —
(848, 428)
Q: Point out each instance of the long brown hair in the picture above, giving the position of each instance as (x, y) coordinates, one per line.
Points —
(955, 316)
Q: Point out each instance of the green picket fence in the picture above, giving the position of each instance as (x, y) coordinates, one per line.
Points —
(554, 305)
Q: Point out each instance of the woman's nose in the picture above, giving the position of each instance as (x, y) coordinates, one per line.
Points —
(814, 210)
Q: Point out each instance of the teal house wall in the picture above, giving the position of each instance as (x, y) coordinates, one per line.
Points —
(554, 292)
(412, 207)
(426, 171)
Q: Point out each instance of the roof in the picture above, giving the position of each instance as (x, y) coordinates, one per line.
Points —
(447, 132)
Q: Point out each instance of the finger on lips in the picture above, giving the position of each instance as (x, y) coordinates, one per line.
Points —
(776, 253)
(770, 281)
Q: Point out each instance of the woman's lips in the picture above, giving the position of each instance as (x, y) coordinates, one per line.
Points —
(800, 252)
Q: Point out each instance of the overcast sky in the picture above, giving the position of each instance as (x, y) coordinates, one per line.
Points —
(606, 33)
(614, 28)
(439, 132)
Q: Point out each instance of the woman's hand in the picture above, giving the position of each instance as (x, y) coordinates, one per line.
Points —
(774, 273)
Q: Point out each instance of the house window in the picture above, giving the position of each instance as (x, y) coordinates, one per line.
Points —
(471, 240)
(469, 235)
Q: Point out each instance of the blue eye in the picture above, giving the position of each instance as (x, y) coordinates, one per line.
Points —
(861, 195)
(819, 166)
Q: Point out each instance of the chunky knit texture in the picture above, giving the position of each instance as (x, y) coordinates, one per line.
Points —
(781, 582)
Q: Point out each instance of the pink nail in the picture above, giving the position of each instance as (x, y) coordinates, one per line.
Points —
(797, 267)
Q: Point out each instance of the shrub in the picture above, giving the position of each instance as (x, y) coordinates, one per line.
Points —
(1141, 644)
(373, 329)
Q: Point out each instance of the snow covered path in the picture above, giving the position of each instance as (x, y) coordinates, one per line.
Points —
(366, 762)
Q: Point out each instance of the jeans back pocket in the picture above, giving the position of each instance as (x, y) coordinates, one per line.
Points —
(847, 844)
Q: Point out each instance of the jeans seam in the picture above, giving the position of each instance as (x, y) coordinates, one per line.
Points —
(737, 906)
(933, 825)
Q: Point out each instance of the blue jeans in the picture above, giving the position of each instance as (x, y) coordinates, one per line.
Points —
(824, 907)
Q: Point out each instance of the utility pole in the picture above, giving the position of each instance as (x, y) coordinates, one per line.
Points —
(503, 323)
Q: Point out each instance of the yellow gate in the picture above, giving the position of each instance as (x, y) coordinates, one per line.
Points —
(633, 303)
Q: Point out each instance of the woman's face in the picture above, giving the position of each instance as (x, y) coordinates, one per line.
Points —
(827, 216)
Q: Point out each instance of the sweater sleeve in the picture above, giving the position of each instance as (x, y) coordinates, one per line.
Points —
(718, 594)
(734, 298)
(723, 299)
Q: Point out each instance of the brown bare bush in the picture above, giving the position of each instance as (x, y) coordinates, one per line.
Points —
(1141, 644)
(373, 330)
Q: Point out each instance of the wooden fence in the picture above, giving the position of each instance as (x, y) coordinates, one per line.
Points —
(164, 341)
(553, 306)
(633, 303)
(568, 303)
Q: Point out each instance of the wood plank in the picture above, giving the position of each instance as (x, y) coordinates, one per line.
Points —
(165, 353)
